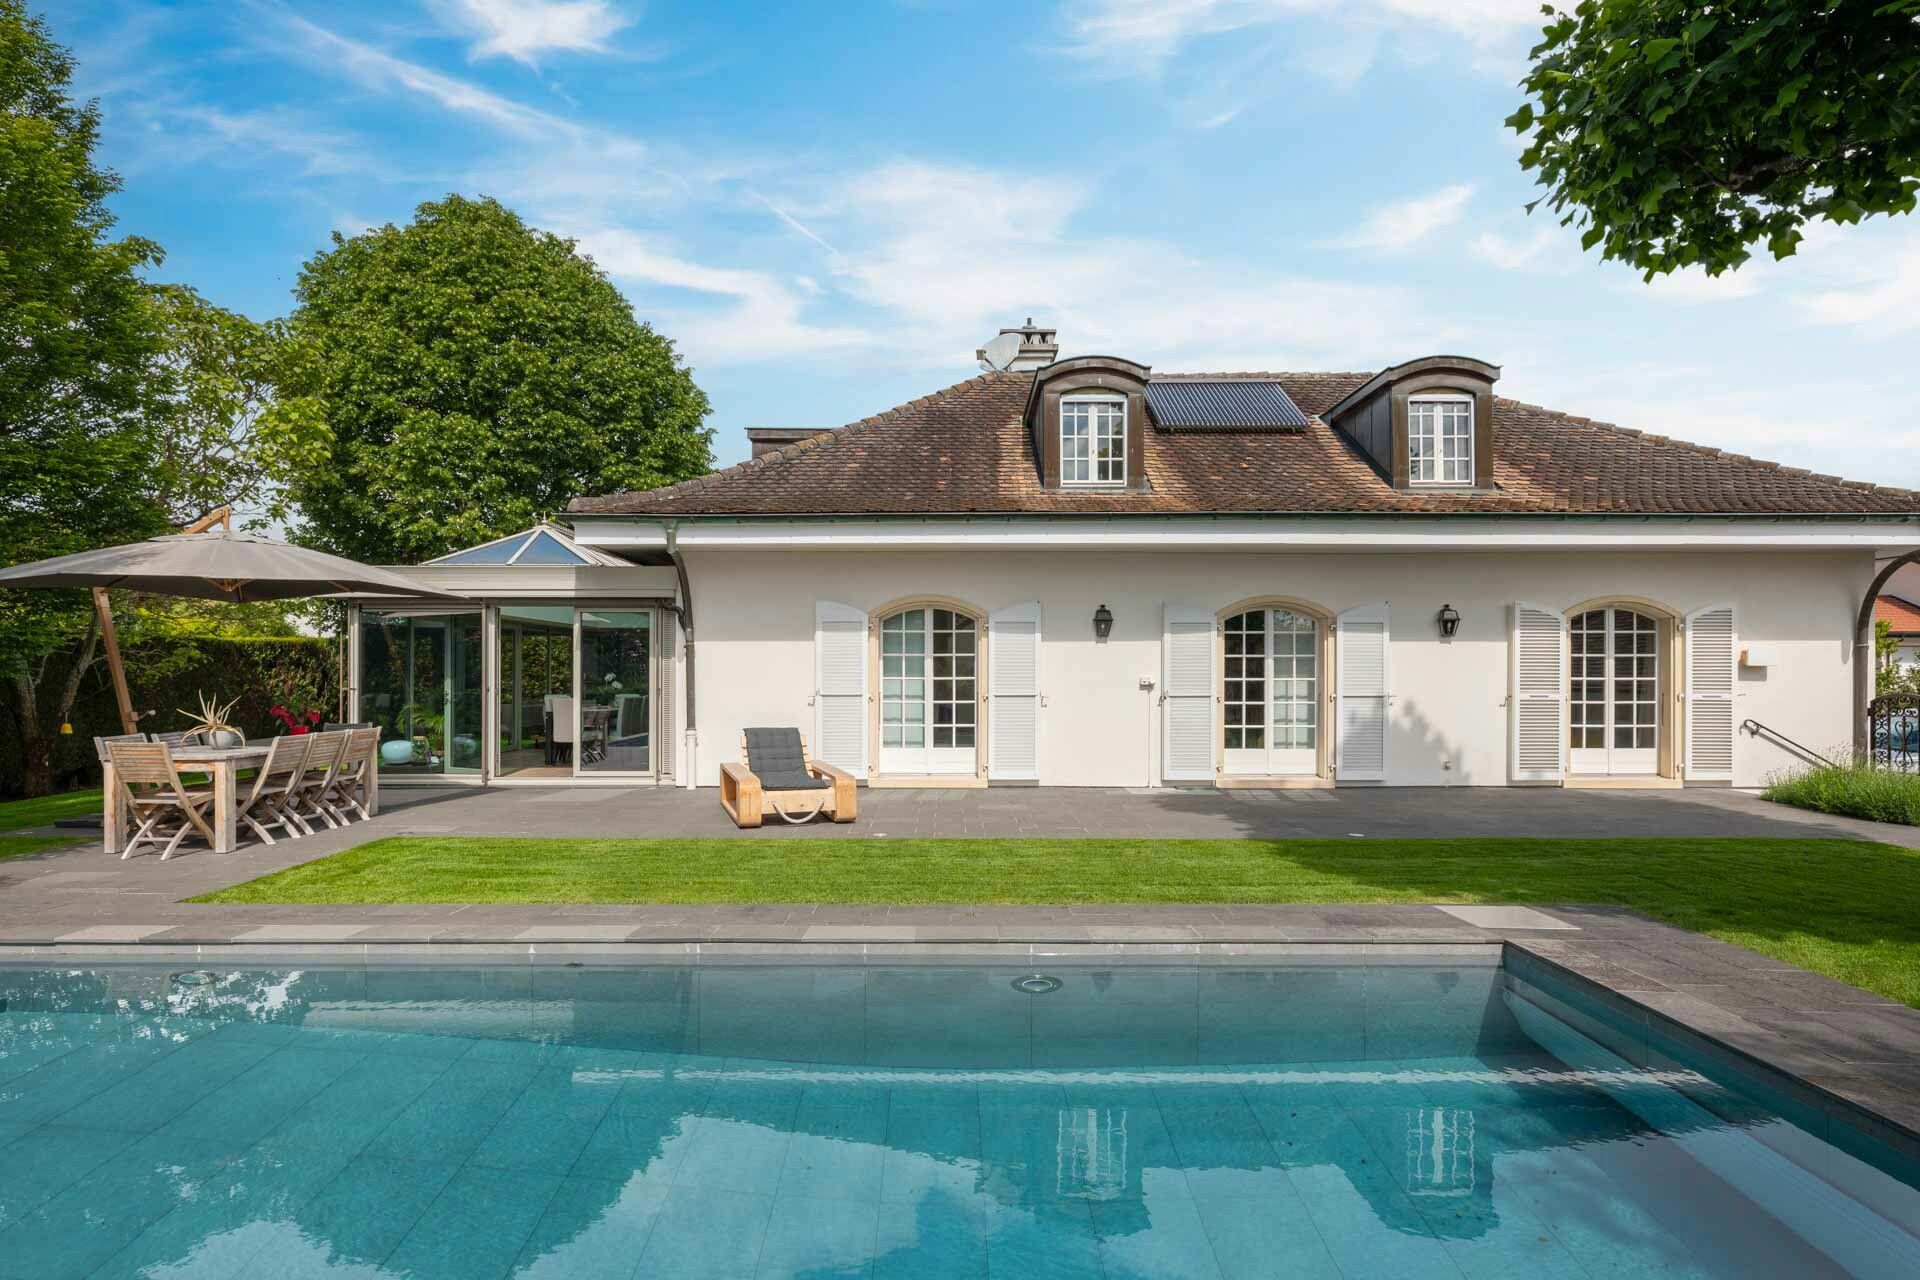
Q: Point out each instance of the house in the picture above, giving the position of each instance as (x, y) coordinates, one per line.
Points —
(1084, 572)
(1902, 617)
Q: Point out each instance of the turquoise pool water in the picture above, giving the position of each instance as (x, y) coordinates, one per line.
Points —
(1305, 1120)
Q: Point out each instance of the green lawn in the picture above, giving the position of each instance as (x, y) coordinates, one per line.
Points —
(17, 815)
(1839, 907)
(21, 846)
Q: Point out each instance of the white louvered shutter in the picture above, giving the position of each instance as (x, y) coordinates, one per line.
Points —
(840, 686)
(1013, 686)
(1362, 691)
(1186, 687)
(1711, 651)
(1537, 705)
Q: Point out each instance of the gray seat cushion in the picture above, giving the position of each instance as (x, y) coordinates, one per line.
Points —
(775, 757)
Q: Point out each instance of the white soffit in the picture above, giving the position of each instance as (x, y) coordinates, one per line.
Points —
(1400, 533)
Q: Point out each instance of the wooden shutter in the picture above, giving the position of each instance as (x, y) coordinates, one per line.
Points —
(1711, 651)
(1013, 686)
(1363, 691)
(840, 686)
(1187, 694)
(1537, 701)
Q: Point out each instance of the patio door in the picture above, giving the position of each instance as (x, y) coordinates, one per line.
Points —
(613, 700)
(1270, 718)
(929, 692)
(1614, 692)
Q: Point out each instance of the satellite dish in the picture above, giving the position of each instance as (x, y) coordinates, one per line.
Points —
(999, 353)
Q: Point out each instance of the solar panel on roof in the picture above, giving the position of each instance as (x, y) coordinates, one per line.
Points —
(1186, 405)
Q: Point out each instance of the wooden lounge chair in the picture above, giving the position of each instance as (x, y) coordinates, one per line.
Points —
(775, 771)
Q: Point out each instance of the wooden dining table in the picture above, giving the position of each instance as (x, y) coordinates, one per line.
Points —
(223, 766)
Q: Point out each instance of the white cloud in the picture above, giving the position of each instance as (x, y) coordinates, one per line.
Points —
(947, 254)
(1513, 253)
(524, 29)
(1873, 290)
(760, 319)
(1394, 227)
(1123, 37)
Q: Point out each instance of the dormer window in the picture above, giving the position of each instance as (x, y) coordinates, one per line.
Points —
(1093, 440)
(1440, 439)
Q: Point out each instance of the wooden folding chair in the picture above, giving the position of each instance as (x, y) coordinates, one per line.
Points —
(269, 803)
(352, 781)
(309, 800)
(156, 800)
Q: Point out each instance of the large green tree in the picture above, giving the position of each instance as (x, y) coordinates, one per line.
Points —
(1680, 132)
(474, 374)
(78, 341)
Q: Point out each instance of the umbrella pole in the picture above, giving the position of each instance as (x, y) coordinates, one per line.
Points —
(103, 611)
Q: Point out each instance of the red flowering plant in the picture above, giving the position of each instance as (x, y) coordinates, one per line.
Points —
(296, 721)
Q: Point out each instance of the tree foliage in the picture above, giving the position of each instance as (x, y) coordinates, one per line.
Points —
(472, 375)
(216, 439)
(1678, 132)
(78, 337)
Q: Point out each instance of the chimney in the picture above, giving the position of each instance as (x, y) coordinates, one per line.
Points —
(766, 440)
(1021, 350)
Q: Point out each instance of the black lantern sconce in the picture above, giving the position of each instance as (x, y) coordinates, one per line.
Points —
(1102, 623)
(1449, 619)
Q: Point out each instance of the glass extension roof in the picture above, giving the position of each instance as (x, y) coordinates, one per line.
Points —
(544, 545)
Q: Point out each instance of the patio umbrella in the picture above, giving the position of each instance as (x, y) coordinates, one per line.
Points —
(206, 563)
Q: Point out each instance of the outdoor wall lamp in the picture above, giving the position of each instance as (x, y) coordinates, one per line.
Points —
(1449, 619)
(1102, 623)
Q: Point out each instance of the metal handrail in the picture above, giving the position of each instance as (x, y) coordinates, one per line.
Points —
(1754, 727)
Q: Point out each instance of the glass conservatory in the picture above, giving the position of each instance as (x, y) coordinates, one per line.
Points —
(554, 672)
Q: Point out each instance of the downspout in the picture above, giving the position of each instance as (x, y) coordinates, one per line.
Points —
(690, 751)
(1865, 661)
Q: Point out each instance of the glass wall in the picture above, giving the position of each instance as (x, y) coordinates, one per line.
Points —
(536, 688)
(616, 652)
(420, 682)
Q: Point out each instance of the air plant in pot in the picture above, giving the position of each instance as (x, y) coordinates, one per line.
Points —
(210, 725)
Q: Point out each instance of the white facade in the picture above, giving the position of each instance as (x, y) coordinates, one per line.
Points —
(1101, 718)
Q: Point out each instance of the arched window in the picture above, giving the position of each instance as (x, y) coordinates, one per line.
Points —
(1270, 693)
(929, 691)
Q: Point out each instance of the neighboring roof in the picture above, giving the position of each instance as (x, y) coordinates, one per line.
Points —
(1903, 616)
(544, 544)
(967, 450)
(1188, 404)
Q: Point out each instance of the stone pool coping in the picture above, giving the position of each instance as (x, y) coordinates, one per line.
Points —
(1837, 1051)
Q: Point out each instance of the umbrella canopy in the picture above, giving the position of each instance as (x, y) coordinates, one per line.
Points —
(216, 564)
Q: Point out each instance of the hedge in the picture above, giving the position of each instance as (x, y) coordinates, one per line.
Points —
(169, 675)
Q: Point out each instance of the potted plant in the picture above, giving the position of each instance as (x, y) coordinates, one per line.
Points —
(295, 722)
(211, 725)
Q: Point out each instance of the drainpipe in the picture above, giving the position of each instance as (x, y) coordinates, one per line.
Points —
(1865, 660)
(690, 752)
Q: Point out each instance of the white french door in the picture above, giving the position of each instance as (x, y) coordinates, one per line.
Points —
(1270, 703)
(929, 692)
(1614, 694)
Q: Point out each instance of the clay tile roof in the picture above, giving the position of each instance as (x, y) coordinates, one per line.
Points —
(1901, 615)
(966, 450)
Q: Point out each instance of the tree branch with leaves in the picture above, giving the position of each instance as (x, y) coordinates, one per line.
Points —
(1678, 133)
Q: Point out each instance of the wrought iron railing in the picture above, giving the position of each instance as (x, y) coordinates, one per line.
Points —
(1893, 740)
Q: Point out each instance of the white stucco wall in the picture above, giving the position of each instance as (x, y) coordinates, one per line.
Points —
(754, 613)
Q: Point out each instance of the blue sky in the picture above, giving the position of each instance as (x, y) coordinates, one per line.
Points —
(828, 207)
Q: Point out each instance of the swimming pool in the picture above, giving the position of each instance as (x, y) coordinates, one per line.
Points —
(1309, 1119)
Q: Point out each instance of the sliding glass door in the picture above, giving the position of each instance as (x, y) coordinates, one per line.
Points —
(616, 668)
(420, 682)
(536, 721)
